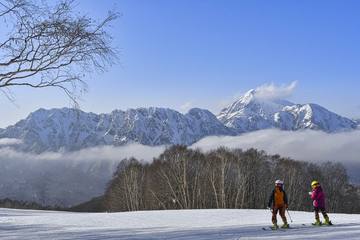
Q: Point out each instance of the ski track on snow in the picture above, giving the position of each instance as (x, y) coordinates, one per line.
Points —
(222, 224)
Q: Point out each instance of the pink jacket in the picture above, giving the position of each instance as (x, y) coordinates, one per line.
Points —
(318, 197)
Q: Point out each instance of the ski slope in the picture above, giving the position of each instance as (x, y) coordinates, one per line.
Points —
(176, 224)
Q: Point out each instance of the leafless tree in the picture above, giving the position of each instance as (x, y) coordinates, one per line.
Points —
(218, 168)
(51, 46)
(126, 191)
(175, 173)
(334, 182)
(183, 178)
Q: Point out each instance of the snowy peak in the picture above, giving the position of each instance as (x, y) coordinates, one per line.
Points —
(71, 129)
(246, 99)
(250, 113)
(241, 103)
(157, 126)
(54, 129)
(313, 116)
(251, 102)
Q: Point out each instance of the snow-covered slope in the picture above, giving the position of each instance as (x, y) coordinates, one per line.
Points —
(250, 113)
(70, 129)
(56, 129)
(357, 122)
(186, 225)
(311, 116)
(159, 126)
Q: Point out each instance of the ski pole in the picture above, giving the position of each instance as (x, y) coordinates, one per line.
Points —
(289, 215)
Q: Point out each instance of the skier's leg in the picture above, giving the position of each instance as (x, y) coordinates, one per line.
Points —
(274, 213)
(326, 217)
(283, 217)
(317, 217)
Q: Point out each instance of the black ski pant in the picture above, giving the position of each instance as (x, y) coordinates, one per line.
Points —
(317, 210)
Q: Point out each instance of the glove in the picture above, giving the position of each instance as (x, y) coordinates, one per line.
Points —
(310, 193)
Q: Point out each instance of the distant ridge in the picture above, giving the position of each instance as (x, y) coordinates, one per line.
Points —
(69, 129)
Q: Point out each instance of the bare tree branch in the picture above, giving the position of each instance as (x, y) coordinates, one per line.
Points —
(52, 46)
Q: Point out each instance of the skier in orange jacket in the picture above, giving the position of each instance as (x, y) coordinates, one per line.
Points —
(278, 202)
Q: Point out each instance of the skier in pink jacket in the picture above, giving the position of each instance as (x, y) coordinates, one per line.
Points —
(318, 197)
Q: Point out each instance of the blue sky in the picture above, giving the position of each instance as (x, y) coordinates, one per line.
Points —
(182, 54)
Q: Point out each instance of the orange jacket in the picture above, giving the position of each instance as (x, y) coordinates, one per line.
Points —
(278, 198)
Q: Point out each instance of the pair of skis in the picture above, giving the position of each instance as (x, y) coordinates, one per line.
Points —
(296, 227)
(280, 228)
(322, 224)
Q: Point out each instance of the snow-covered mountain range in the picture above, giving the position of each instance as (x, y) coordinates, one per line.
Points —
(250, 113)
(69, 129)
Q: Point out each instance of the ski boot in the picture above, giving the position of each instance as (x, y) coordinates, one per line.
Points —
(317, 223)
(285, 225)
(274, 227)
(327, 221)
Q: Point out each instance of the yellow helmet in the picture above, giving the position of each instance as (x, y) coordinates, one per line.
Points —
(313, 183)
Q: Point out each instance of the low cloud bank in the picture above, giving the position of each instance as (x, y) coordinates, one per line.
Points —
(9, 141)
(70, 178)
(63, 178)
(308, 145)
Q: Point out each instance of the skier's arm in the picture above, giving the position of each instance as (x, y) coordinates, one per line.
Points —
(313, 195)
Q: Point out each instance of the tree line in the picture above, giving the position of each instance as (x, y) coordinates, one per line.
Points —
(10, 203)
(185, 178)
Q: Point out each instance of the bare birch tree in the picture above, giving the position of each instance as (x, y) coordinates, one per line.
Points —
(45, 46)
(183, 178)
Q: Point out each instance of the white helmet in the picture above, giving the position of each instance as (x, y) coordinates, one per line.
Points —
(279, 182)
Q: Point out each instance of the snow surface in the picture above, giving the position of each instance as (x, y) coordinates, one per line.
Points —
(176, 224)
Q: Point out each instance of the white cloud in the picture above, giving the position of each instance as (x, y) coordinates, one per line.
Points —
(186, 106)
(9, 141)
(269, 91)
(305, 145)
(64, 178)
(309, 145)
(272, 91)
